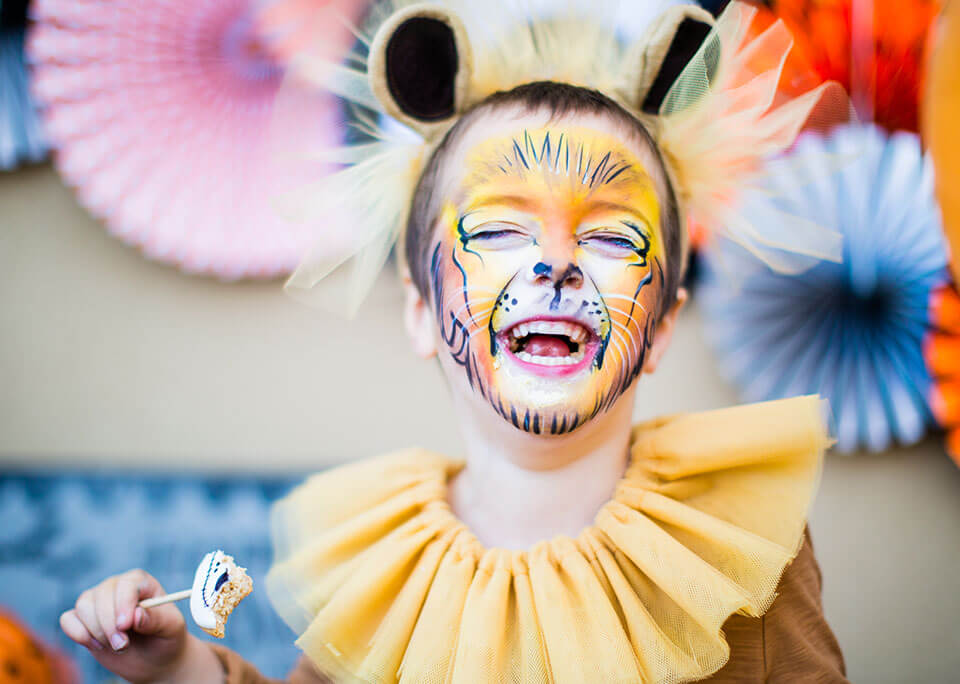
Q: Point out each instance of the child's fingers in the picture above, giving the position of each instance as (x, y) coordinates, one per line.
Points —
(104, 601)
(147, 585)
(86, 612)
(161, 621)
(127, 596)
(74, 628)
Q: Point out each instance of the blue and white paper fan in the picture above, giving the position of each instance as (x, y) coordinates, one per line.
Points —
(851, 332)
(21, 137)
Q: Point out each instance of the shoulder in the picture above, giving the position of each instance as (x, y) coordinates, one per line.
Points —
(398, 480)
(371, 479)
(792, 642)
(798, 643)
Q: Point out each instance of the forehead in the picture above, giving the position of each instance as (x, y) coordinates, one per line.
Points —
(532, 151)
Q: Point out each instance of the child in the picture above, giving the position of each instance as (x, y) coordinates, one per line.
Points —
(544, 249)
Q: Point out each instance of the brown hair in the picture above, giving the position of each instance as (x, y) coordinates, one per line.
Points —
(558, 99)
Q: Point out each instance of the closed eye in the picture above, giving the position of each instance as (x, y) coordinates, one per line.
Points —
(618, 241)
(494, 234)
(498, 236)
(612, 245)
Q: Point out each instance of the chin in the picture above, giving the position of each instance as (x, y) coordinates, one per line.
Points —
(544, 405)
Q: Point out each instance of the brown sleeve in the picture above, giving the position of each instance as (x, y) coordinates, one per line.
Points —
(798, 644)
(239, 671)
(792, 642)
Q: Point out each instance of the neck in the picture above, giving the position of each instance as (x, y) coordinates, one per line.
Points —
(519, 488)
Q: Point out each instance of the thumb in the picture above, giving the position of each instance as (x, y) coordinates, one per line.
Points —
(159, 621)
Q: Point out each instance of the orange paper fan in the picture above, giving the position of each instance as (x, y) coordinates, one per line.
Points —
(876, 50)
(941, 350)
(940, 115)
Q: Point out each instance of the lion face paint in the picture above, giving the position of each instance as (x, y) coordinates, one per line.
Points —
(546, 273)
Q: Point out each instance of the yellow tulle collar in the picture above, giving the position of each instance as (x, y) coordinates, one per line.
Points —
(383, 583)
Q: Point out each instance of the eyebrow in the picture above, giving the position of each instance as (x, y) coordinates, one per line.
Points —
(515, 201)
(523, 203)
(626, 209)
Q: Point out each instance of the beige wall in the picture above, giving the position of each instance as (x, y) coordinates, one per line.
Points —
(106, 358)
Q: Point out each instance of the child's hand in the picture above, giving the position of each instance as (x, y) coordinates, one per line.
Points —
(138, 644)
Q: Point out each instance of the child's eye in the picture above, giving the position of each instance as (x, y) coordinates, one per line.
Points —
(609, 245)
(499, 236)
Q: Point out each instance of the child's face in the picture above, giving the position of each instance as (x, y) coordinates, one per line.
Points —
(546, 268)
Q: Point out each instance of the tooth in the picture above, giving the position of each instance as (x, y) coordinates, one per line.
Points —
(525, 356)
(578, 335)
(524, 329)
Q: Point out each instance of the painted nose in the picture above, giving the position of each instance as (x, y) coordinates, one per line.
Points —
(567, 275)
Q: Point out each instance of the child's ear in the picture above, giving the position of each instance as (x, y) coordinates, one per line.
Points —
(661, 339)
(665, 49)
(418, 319)
(420, 66)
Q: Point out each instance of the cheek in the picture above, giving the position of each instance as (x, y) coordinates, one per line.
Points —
(628, 294)
(612, 276)
(487, 275)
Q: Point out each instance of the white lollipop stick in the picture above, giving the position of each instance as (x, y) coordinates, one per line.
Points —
(168, 598)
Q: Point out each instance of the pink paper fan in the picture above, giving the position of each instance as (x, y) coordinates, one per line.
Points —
(163, 114)
(290, 26)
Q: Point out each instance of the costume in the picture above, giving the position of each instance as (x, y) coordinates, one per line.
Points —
(373, 570)
(384, 584)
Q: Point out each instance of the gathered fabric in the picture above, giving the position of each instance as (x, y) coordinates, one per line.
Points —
(384, 584)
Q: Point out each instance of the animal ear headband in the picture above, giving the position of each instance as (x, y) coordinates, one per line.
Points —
(421, 64)
(705, 89)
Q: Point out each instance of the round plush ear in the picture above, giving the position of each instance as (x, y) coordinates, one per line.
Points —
(420, 66)
(665, 49)
(13, 14)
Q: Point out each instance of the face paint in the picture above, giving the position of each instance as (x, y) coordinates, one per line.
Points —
(546, 274)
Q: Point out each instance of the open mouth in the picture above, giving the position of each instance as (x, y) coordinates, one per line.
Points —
(560, 344)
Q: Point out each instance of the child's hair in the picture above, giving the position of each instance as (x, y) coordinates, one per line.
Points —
(557, 99)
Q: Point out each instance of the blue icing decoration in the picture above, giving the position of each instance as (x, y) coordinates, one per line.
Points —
(221, 581)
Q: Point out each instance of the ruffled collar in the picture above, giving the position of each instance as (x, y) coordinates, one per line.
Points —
(383, 583)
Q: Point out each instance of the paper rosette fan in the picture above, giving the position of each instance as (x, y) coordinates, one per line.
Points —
(852, 332)
(941, 350)
(876, 49)
(163, 115)
(21, 138)
(941, 112)
(290, 27)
